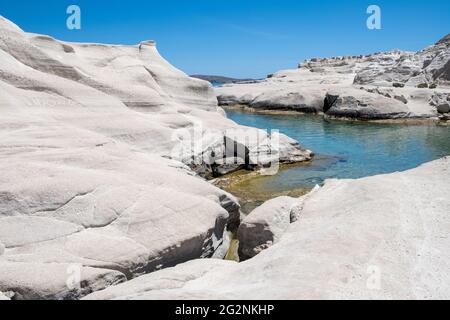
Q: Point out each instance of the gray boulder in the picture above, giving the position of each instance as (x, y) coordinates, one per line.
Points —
(359, 104)
(443, 108)
(264, 226)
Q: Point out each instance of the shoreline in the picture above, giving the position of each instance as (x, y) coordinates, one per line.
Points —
(236, 182)
(239, 184)
(280, 112)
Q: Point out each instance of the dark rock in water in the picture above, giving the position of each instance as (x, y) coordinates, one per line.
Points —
(331, 85)
(364, 107)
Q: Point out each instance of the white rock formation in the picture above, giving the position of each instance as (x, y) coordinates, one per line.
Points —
(47, 280)
(88, 172)
(381, 237)
(373, 87)
(428, 66)
(264, 226)
(162, 284)
(3, 297)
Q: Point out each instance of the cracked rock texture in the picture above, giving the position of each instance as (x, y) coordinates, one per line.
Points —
(380, 237)
(387, 85)
(90, 185)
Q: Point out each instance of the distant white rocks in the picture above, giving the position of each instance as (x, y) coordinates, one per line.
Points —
(381, 237)
(90, 186)
(391, 85)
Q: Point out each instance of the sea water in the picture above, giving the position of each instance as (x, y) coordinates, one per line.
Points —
(348, 149)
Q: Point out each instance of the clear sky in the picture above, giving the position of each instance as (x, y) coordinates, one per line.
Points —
(240, 38)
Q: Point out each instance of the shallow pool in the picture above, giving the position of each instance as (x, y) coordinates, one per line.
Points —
(346, 149)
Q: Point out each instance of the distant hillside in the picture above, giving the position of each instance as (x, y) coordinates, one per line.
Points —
(218, 80)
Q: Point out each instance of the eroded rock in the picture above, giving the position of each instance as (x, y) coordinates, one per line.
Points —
(90, 168)
(347, 232)
(393, 79)
(264, 226)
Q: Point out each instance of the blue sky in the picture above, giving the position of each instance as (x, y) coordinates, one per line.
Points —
(240, 38)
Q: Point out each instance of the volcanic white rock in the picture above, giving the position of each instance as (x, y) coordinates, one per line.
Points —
(374, 87)
(91, 171)
(3, 297)
(381, 237)
(264, 226)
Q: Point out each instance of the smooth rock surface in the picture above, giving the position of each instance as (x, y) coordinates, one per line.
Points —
(165, 282)
(381, 237)
(264, 226)
(94, 169)
(59, 281)
(3, 297)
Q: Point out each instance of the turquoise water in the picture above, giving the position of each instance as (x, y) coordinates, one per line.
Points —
(347, 149)
(216, 84)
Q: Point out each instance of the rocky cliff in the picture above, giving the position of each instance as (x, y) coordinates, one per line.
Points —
(387, 85)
